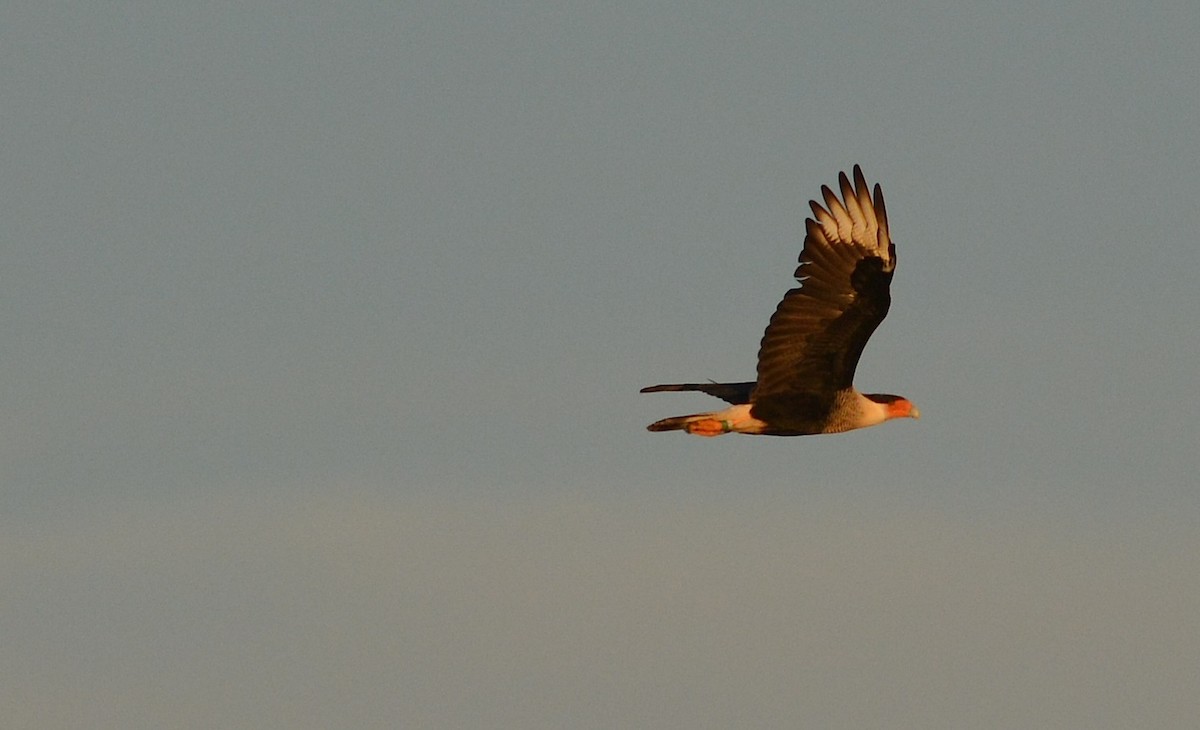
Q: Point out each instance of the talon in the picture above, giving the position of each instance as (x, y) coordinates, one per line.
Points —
(708, 427)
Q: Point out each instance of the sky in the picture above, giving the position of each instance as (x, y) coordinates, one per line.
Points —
(322, 328)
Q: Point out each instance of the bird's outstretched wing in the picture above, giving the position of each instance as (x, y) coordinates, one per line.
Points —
(812, 345)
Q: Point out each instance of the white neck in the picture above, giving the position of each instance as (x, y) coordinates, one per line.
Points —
(870, 412)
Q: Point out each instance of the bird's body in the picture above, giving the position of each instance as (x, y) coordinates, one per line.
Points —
(811, 347)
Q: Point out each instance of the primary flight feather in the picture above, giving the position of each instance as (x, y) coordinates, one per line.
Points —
(811, 348)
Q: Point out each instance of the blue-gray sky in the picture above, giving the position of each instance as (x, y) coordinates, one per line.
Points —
(322, 329)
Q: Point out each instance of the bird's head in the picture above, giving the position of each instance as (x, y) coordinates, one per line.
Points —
(897, 407)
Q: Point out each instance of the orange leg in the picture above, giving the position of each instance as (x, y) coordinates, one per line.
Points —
(708, 427)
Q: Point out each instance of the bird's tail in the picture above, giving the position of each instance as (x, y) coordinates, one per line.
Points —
(733, 393)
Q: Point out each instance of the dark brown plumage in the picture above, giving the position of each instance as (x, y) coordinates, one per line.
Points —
(811, 347)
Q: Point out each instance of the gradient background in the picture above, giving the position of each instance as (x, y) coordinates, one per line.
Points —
(323, 324)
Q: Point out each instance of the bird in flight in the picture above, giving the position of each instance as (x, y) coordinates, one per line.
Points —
(811, 347)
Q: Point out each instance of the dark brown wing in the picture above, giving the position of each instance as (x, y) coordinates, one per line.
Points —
(811, 347)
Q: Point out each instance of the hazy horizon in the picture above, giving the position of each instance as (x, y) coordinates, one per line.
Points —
(323, 329)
